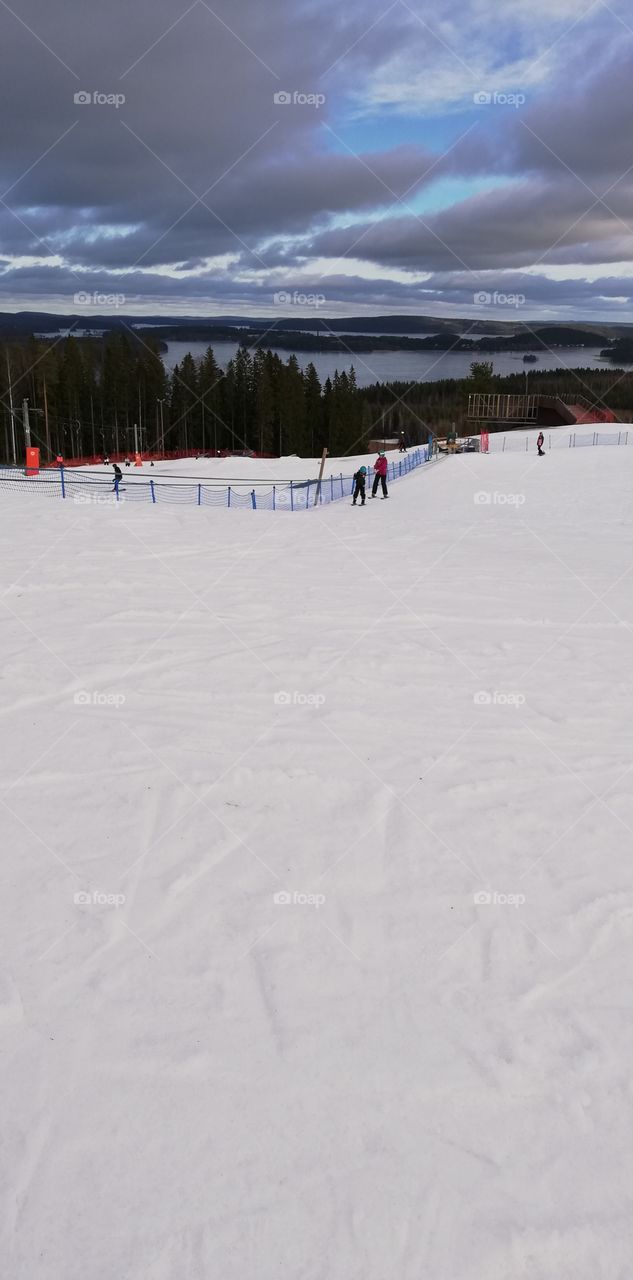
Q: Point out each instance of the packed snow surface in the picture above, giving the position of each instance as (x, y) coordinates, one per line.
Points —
(317, 883)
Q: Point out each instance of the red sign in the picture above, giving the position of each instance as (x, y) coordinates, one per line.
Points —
(485, 442)
(32, 462)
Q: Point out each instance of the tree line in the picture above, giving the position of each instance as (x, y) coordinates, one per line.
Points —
(102, 396)
(94, 397)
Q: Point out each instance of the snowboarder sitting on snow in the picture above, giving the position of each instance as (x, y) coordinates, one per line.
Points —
(380, 467)
(118, 476)
(359, 486)
(539, 444)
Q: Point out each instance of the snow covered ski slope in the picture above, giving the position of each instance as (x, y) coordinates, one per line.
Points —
(316, 880)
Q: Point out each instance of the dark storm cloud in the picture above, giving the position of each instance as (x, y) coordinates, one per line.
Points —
(199, 117)
(510, 228)
(112, 189)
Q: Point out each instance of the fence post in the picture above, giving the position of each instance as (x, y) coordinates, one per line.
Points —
(331, 488)
(292, 497)
(253, 502)
(274, 507)
(342, 489)
(199, 494)
(151, 485)
(61, 476)
(228, 496)
(308, 496)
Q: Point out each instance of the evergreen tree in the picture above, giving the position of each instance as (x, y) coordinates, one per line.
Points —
(313, 411)
(292, 435)
(212, 425)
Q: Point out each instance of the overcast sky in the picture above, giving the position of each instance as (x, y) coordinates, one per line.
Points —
(464, 157)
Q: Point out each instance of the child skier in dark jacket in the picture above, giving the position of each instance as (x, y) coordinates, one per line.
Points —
(359, 486)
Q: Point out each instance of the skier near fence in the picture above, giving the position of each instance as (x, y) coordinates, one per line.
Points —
(118, 476)
(539, 444)
(360, 477)
(381, 467)
(402, 443)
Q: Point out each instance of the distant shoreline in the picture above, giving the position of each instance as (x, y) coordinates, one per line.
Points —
(324, 344)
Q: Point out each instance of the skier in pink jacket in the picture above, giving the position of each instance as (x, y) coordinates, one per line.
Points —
(381, 467)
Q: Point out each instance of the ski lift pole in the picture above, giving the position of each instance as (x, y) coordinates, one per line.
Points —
(321, 470)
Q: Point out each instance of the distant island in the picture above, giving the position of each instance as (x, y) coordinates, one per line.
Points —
(544, 338)
(620, 351)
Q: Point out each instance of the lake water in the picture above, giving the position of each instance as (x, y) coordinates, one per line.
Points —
(403, 366)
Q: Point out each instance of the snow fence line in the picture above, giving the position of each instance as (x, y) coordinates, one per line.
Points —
(292, 495)
(515, 442)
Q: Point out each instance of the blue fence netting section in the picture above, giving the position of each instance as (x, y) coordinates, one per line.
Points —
(87, 487)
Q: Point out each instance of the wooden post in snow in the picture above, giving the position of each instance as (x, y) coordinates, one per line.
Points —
(322, 469)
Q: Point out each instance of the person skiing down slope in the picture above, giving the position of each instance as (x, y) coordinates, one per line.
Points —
(539, 444)
(381, 467)
(359, 486)
(118, 476)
